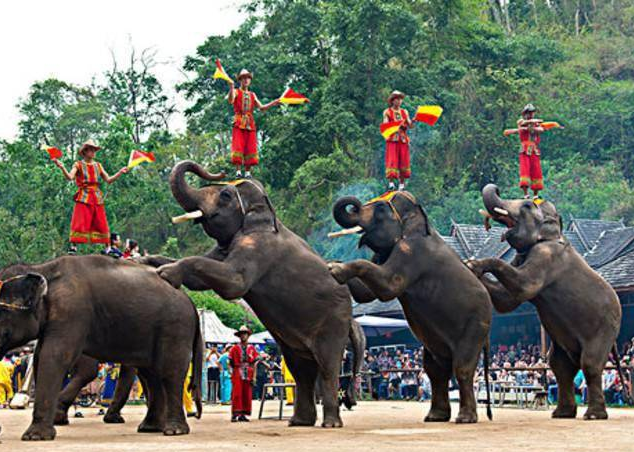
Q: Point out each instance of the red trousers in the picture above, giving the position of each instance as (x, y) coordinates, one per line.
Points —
(244, 147)
(241, 394)
(531, 171)
(397, 165)
(89, 224)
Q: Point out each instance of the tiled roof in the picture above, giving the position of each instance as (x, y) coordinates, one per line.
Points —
(589, 231)
(609, 246)
(619, 273)
(455, 244)
(377, 308)
(575, 241)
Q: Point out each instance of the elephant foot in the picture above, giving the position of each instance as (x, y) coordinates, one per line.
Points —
(594, 414)
(149, 427)
(38, 432)
(176, 428)
(469, 417)
(332, 422)
(298, 421)
(568, 412)
(113, 418)
(61, 418)
(436, 415)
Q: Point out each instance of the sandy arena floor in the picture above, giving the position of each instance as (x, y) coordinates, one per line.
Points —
(373, 426)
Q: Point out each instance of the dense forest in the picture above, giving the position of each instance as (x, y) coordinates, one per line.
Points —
(482, 60)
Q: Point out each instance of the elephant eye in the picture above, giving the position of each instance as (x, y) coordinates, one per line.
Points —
(225, 196)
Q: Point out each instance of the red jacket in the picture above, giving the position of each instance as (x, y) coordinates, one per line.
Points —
(243, 366)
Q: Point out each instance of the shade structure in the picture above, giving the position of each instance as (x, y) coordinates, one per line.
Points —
(380, 326)
(262, 338)
(213, 330)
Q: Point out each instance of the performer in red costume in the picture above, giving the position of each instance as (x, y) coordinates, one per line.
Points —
(529, 130)
(397, 158)
(242, 358)
(89, 223)
(244, 143)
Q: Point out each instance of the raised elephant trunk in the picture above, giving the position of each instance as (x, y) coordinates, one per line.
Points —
(495, 205)
(343, 216)
(187, 196)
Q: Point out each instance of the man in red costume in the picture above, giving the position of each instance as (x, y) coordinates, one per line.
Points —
(397, 158)
(242, 358)
(529, 130)
(244, 142)
(89, 223)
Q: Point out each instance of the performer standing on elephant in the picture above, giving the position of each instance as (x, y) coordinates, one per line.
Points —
(89, 223)
(397, 157)
(244, 143)
(242, 357)
(529, 130)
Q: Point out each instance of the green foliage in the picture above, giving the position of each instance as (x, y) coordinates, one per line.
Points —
(231, 314)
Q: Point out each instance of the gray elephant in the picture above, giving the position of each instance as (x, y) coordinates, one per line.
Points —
(110, 310)
(447, 308)
(578, 308)
(284, 281)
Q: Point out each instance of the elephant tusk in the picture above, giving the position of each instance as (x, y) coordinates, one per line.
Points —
(501, 211)
(343, 232)
(188, 216)
(484, 213)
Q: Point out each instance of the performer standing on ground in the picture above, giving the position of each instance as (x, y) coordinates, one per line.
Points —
(529, 130)
(242, 357)
(89, 223)
(397, 157)
(244, 143)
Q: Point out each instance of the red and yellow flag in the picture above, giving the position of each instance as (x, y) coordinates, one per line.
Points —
(387, 196)
(291, 97)
(53, 152)
(220, 72)
(428, 114)
(390, 128)
(547, 125)
(137, 157)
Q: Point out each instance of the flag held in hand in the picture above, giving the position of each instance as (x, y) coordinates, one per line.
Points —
(547, 125)
(428, 114)
(53, 152)
(390, 128)
(137, 157)
(291, 97)
(220, 72)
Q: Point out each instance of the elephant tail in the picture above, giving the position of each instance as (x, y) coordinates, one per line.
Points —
(485, 361)
(358, 341)
(627, 397)
(195, 384)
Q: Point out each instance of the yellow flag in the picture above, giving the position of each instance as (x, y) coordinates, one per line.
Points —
(220, 72)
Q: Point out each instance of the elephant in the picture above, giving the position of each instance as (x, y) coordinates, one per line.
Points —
(446, 306)
(83, 372)
(283, 280)
(577, 307)
(109, 310)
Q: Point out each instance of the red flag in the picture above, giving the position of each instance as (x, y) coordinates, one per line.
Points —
(390, 128)
(137, 157)
(292, 97)
(53, 152)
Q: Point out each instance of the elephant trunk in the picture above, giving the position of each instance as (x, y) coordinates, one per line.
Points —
(187, 196)
(343, 216)
(495, 205)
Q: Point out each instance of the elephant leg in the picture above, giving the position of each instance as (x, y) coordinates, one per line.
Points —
(173, 380)
(54, 360)
(593, 360)
(85, 371)
(439, 374)
(565, 371)
(121, 394)
(465, 364)
(154, 420)
(305, 373)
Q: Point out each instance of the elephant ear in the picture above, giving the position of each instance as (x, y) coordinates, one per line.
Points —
(23, 292)
(411, 208)
(260, 217)
(552, 225)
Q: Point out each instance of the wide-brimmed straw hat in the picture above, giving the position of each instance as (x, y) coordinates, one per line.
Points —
(245, 73)
(394, 95)
(90, 144)
(243, 330)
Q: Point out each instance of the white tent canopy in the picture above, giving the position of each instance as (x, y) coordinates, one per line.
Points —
(261, 338)
(372, 321)
(213, 330)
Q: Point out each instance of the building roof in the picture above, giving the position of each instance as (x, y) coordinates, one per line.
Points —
(619, 273)
(609, 246)
(589, 231)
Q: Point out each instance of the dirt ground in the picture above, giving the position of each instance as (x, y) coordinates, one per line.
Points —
(372, 426)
